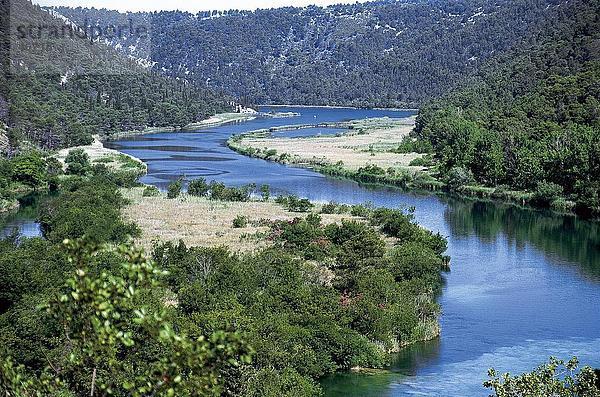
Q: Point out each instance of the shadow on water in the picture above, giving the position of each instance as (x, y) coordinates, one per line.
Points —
(377, 383)
(562, 239)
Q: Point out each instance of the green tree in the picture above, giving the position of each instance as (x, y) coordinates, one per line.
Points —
(115, 343)
(78, 162)
(30, 169)
(174, 189)
(198, 187)
(557, 379)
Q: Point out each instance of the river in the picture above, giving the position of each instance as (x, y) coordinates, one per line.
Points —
(524, 285)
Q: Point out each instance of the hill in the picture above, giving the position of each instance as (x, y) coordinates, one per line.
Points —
(60, 84)
(530, 120)
(383, 53)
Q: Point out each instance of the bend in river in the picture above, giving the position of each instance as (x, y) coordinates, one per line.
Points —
(524, 285)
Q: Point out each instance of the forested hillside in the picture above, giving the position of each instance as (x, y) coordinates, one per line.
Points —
(73, 88)
(385, 53)
(531, 119)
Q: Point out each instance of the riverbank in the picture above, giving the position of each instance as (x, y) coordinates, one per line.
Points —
(368, 153)
(365, 153)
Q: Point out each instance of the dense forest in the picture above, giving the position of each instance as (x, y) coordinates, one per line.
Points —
(384, 53)
(57, 91)
(530, 121)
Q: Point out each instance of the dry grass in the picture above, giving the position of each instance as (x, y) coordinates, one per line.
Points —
(354, 150)
(202, 222)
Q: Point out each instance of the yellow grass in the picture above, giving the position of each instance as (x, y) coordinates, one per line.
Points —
(354, 149)
(202, 222)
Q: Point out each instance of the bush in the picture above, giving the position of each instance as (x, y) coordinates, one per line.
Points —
(458, 177)
(362, 210)
(198, 188)
(546, 193)
(218, 191)
(174, 189)
(425, 161)
(265, 192)
(557, 378)
(89, 208)
(151, 191)
(294, 204)
(78, 162)
(329, 208)
(30, 169)
(240, 222)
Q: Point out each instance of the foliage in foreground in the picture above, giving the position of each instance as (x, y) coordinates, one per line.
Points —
(112, 336)
(556, 379)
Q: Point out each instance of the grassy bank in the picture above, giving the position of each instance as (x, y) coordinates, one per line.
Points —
(373, 151)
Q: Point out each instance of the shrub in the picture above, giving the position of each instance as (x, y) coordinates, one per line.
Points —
(174, 189)
(425, 161)
(151, 191)
(458, 177)
(329, 208)
(362, 210)
(218, 191)
(546, 193)
(270, 153)
(78, 162)
(30, 169)
(557, 378)
(240, 222)
(294, 204)
(265, 192)
(198, 187)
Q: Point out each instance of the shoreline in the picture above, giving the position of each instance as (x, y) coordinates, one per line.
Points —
(421, 181)
(341, 107)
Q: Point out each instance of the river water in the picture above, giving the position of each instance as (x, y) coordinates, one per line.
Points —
(524, 286)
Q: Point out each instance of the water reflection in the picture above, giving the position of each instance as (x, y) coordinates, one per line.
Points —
(23, 222)
(562, 239)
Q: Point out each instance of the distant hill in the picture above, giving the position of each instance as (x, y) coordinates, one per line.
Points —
(530, 119)
(57, 90)
(383, 53)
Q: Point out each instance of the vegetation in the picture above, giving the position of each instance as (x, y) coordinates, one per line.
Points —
(26, 172)
(324, 299)
(174, 188)
(240, 222)
(557, 378)
(78, 162)
(530, 120)
(294, 203)
(198, 187)
(151, 191)
(372, 54)
(56, 101)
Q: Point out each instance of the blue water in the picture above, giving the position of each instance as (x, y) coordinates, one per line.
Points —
(524, 285)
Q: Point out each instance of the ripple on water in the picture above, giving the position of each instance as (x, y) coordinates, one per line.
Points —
(465, 378)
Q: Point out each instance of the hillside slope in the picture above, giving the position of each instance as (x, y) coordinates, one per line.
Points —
(384, 53)
(531, 119)
(58, 90)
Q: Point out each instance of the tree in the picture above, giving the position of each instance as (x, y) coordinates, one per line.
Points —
(174, 189)
(78, 162)
(198, 187)
(115, 343)
(30, 169)
(557, 379)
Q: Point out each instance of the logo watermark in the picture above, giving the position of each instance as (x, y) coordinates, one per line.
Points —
(42, 41)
